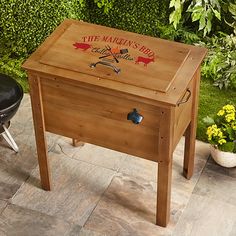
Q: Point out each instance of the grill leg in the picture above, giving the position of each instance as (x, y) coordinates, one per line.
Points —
(7, 136)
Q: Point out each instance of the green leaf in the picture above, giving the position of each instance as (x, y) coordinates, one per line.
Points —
(202, 22)
(175, 18)
(196, 16)
(172, 17)
(232, 9)
(177, 4)
(227, 147)
(195, 9)
(232, 133)
(172, 3)
(208, 26)
(208, 120)
(232, 69)
(217, 14)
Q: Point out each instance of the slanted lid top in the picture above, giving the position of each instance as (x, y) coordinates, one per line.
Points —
(99, 51)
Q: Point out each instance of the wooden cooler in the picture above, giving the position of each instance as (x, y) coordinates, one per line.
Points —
(124, 91)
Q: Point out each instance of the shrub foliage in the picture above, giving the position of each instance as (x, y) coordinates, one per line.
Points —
(25, 24)
(140, 16)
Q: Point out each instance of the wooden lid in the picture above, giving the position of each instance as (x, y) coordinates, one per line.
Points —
(150, 68)
(143, 62)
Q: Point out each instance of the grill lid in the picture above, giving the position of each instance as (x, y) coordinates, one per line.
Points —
(10, 92)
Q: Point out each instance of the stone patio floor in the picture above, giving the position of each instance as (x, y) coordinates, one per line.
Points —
(97, 191)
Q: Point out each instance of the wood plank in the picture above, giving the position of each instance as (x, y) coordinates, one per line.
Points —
(91, 116)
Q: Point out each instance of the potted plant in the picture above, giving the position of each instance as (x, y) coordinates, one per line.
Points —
(221, 134)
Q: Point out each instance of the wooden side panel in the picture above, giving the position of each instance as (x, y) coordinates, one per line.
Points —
(100, 119)
(183, 114)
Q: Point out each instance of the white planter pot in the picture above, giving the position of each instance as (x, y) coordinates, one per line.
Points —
(226, 159)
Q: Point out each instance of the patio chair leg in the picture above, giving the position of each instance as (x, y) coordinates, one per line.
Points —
(7, 136)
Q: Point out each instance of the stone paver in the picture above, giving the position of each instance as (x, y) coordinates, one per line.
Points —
(205, 216)
(18, 221)
(77, 187)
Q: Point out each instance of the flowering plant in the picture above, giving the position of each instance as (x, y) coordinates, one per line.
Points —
(221, 130)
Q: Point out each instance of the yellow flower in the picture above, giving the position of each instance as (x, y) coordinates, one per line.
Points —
(233, 126)
(209, 132)
(229, 117)
(221, 113)
(220, 134)
(229, 108)
(214, 131)
(221, 141)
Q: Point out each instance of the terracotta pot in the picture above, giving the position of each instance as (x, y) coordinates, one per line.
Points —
(226, 159)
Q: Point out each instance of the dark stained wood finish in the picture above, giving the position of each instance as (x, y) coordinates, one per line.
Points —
(91, 105)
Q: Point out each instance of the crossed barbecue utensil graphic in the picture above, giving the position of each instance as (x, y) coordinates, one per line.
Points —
(108, 48)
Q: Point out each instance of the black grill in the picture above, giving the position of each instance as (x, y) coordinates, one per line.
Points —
(11, 94)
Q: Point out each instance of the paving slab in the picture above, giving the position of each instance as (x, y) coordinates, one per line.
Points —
(18, 221)
(3, 205)
(217, 183)
(85, 232)
(77, 188)
(15, 168)
(205, 216)
(128, 207)
(90, 153)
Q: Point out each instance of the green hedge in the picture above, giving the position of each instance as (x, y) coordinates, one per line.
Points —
(140, 16)
(25, 24)
(23, 27)
(12, 67)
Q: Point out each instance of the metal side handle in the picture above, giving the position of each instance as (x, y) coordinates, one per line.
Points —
(115, 69)
(185, 98)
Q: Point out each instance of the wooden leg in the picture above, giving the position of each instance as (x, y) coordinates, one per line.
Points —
(163, 193)
(189, 150)
(165, 167)
(77, 143)
(39, 127)
(190, 133)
